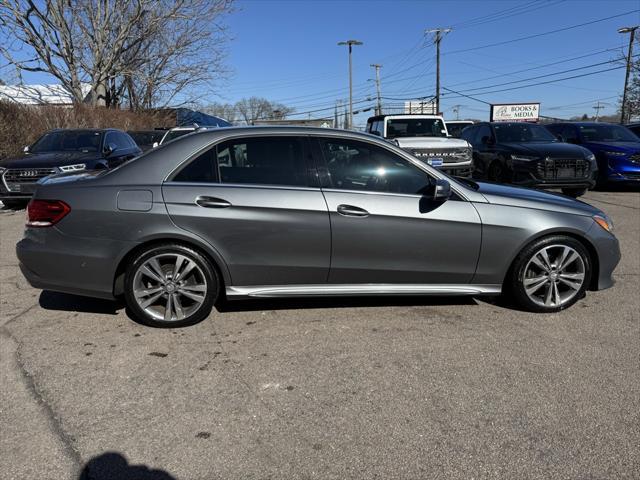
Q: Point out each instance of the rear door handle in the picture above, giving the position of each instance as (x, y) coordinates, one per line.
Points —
(351, 211)
(212, 202)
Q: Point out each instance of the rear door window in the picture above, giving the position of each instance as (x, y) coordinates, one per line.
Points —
(264, 161)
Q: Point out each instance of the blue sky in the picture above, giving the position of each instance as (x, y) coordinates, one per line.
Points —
(285, 50)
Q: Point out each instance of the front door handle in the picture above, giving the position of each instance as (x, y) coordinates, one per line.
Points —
(212, 202)
(351, 211)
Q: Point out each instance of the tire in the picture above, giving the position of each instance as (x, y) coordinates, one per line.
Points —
(574, 192)
(496, 172)
(554, 287)
(15, 204)
(152, 288)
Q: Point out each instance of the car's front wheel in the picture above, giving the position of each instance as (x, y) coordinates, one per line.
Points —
(170, 285)
(550, 274)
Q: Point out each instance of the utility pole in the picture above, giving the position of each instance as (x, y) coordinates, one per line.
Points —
(456, 110)
(350, 44)
(597, 107)
(379, 105)
(623, 107)
(438, 38)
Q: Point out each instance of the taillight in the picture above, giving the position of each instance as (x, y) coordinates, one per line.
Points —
(44, 213)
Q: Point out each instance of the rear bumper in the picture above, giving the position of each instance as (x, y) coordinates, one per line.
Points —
(50, 260)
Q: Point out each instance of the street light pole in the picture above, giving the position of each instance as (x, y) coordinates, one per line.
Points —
(350, 43)
(632, 32)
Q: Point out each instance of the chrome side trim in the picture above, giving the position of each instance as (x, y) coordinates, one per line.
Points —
(273, 291)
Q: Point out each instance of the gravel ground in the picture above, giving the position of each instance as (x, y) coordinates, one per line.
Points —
(365, 388)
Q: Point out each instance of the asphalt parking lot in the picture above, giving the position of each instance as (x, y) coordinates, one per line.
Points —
(365, 388)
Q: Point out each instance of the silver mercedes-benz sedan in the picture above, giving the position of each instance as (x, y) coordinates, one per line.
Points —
(284, 211)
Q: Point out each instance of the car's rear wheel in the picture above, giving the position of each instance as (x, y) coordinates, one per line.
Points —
(574, 192)
(170, 285)
(551, 274)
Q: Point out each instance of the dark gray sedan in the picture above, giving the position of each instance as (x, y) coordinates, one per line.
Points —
(288, 212)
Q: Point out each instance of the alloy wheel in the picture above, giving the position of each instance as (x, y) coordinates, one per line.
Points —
(169, 287)
(554, 275)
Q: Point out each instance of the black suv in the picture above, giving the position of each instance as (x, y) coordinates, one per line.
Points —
(529, 155)
(60, 151)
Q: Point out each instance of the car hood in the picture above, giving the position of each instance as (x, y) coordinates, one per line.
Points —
(627, 147)
(529, 198)
(51, 159)
(430, 142)
(547, 149)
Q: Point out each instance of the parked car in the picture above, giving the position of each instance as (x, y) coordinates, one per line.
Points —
(617, 149)
(178, 132)
(455, 127)
(145, 139)
(261, 212)
(426, 137)
(60, 151)
(635, 128)
(528, 155)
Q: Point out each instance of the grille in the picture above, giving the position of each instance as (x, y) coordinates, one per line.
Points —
(447, 156)
(635, 158)
(24, 179)
(563, 168)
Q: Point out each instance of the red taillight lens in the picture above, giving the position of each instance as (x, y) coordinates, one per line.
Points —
(44, 213)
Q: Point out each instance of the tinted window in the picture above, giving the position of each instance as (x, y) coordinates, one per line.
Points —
(360, 166)
(468, 134)
(118, 139)
(522, 133)
(568, 133)
(415, 127)
(606, 133)
(266, 161)
(201, 169)
(68, 141)
(483, 131)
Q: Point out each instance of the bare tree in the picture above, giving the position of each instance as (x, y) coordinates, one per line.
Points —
(148, 50)
(255, 108)
(227, 111)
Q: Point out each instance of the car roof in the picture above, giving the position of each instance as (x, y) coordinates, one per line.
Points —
(99, 130)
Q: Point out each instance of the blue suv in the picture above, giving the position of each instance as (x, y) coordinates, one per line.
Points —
(617, 149)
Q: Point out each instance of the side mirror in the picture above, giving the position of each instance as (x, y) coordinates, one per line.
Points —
(26, 149)
(487, 140)
(560, 138)
(441, 190)
(109, 149)
(155, 144)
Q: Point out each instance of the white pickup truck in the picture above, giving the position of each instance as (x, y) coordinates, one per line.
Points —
(426, 137)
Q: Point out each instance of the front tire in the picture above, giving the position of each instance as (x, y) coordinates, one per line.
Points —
(170, 285)
(550, 274)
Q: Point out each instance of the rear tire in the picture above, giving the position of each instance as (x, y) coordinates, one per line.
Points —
(170, 285)
(550, 274)
(574, 192)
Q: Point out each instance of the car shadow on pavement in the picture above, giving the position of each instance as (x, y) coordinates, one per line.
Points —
(75, 303)
(114, 466)
(249, 305)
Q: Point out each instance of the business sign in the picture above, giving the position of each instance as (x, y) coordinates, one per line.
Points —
(515, 112)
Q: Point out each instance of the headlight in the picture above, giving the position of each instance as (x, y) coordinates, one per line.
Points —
(2, 169)
(591, 158)
(615, 154)
(72, 168)
(605, 222)
(522, 158)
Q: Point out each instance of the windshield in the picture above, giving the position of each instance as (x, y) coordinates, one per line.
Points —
(455, 129)
(173, 134)
(522, 133)
(415, 127)
(68, 141)
(607, 133)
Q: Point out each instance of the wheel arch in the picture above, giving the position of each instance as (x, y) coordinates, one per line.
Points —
(591, 249)
(214, 257)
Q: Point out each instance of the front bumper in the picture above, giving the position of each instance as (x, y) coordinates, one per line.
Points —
(50, 260)
(536, 174)
(608, 251)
